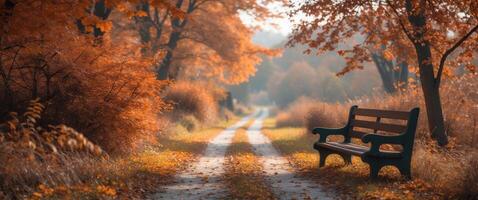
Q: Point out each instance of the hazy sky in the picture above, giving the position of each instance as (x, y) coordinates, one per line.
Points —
(277, 25)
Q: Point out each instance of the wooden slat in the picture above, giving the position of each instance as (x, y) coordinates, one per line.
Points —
(379, 126)
(343, 148)
(358, 134)
(391, 114)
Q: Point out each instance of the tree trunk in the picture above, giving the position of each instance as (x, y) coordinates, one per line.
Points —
(144, 24)
(386, 75)
(5, 13)
(403, 80)
(436, 122)
(164, 70)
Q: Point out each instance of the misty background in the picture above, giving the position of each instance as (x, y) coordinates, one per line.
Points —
(283, 79)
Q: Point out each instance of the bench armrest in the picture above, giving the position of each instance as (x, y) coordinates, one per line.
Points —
(325, 132)
(378, 140)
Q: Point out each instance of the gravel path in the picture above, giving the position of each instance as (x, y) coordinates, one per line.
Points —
(279, 174)
(203, 179)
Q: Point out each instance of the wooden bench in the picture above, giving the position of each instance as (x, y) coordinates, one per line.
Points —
(373, 155)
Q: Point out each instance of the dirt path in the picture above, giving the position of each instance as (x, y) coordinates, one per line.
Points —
(278, 172)
(202, 180)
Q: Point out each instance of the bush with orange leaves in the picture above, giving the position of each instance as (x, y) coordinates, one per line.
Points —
(101, 86)
(194, 98)
(30, 153)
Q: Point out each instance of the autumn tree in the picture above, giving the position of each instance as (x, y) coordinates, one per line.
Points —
(200, 35)
(432, 29)
(104, 89)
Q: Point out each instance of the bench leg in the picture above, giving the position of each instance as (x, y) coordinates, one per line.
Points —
(323, 157)
(374, 169)
(405, 171)
(347, 158)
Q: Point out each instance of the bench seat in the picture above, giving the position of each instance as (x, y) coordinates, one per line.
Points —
(355, 149)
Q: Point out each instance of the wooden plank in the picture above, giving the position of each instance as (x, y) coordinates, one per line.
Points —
(390, 114)
(358, 134)
(379, 126)
(343, 148)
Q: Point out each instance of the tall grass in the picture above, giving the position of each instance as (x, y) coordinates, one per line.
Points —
(32, 155)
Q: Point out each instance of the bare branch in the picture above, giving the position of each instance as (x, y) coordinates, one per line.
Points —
(449, 51)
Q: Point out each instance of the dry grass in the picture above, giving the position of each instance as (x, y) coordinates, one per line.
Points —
(470, 182)
(243, 175)
(31, 154)
(304, 111)
(193, 98)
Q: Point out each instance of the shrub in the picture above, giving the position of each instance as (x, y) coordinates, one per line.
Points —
(241, 109)
(31, 154)
(320, 116)
(309, 113)
(195, 99)
(190, 123)
(103, 87)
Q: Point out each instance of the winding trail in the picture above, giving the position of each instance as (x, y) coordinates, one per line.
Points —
(278, 172)
(203, 179)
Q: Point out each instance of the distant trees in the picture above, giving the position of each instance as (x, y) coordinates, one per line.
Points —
(429, 30)
(393, 73)
(303, 80)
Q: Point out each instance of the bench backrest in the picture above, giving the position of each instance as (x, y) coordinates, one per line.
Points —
(408, 119)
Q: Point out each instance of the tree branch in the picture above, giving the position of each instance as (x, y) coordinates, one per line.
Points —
(405, 30)
(449, 51)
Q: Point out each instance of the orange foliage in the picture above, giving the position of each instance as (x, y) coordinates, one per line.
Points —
(100, 86)
(218, 45)
(210, 42)
(385, 24)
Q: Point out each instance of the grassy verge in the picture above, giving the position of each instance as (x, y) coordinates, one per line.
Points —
(348, 181)
(138, 175)
(243, 175)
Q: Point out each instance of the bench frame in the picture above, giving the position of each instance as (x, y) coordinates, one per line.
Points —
(374, 157)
